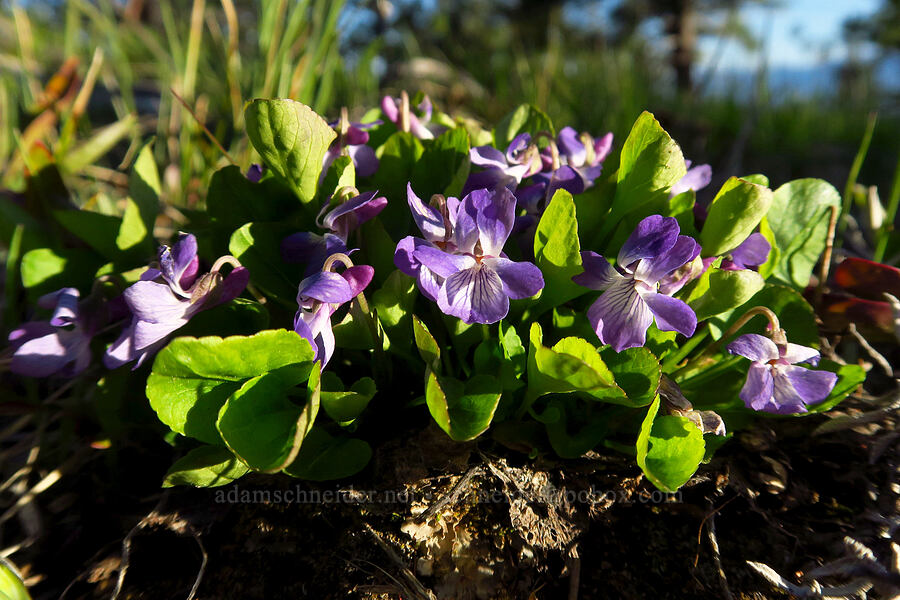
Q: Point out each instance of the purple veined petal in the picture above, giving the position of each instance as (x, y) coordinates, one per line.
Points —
(757, 348)
(302, 328)
(488, 179)
(757, 390)
(677, 279)
(752, 252)
(487, 156)
(364, 159)
(795, 353)
(797, 386)
(602, 147)
(429, 283)
(517, 145)
(620, 317)
(571, 147)
(150, 274)
(64, 303)
(519, 279)
(390, 109)
(255, 173)
(325, 342)
(144, 353)
(354, 212)
(233, 285)
(120, 351)
(465, 229)
(671, 314)
(475, 295)
(356, 136)
(179, 263)
(358, 277)
(428, 220)
(147, 334)
(652, 237)
(496, 213)
(598, 273)
(40, 357)
(28, 331)
(589, 174)
(565, 178)
(324, 286)
(404, 258)
(81, 358)
(155, 303)
(695, 179)
(651, 270)
(442, 263)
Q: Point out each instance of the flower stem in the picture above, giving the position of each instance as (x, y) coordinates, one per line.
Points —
(776, 333)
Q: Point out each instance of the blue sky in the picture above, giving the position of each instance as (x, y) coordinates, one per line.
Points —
(797, 34)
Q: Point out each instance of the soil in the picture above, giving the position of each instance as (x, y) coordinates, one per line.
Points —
(431, 518)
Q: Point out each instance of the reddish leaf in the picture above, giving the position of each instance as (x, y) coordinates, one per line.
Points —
(867, 279)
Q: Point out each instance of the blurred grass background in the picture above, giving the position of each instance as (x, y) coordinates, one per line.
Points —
(85, 82)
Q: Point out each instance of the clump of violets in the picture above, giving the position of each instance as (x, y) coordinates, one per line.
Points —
(58, 346)
(338, 221)
(583, 153)
(775, 383)
(352, 139)
(460, 261)
(631, 297)
(522, 159)
(166, 298)
(320, 295)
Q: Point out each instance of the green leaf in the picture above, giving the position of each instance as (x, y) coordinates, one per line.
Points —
(206, 466)
(574, 426)
(394, 302)
(142, 206)
(513, 350)
(572, 365)
(463, 410)
(651, 163)
(44, 270)
(238, 317)
(97, 230)
(526, 118)
(233, 200)
(669, 449)
(193, 377)
(291, 139)
(557, 252)
(261, 426)
(799, 219)
(444, 166)
(397, 160)
(636, 371)
(324, 457)
(11, 585)
(757, 178)
(727, 290)
(733, 215)
(793, 311)
(345, 406)
(258, 247)
(341, 173)
(428, 347)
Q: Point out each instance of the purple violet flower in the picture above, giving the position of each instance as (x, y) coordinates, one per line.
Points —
(463, 256)
(318, 297)
(313, 249)
(631, 297)
(397, 109)
(165, 299)
(60, 346)
(521, 160)
(774, 384)
(255, 173)
(695, 179)
(583, 153)
(351, 140)
(750, 254)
